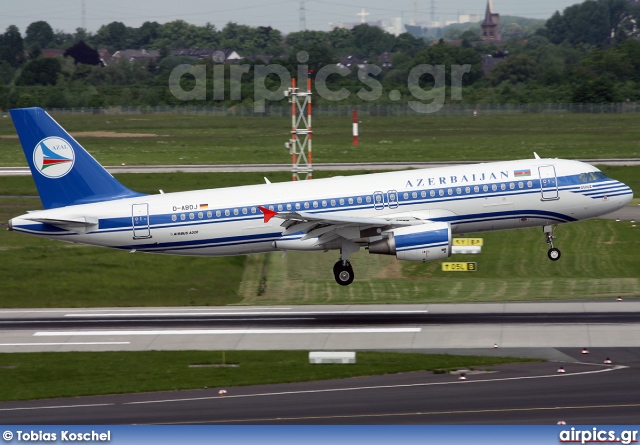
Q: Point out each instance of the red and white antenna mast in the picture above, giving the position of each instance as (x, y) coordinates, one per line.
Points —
(301, 134)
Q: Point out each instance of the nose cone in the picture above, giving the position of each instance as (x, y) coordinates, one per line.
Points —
(626, 197)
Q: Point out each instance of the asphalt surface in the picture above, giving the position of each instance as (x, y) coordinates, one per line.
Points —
(590, 392)
(532, 393)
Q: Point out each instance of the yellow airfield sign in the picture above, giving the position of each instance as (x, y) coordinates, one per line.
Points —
(467, 241)
(459, 267)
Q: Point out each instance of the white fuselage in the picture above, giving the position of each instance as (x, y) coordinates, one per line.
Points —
(227, 221)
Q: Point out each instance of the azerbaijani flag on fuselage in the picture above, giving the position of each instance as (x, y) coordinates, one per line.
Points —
(521, 173)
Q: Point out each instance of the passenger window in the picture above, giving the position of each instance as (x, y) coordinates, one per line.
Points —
(450, 192)
(359, 199)
(432, 193)
(414, 195)
(368, 199)
(333, 203)
(459, 191)
(423, 194)
(183, 217)
(280, 208)
(174, 218)
(227, 212)
(441, 192)
(350, 201)
(529, 184)
(209, 214)
(253, 210)
(218, 213)
(306, 205)
(520, 185)
(512, 186)
(467, 189)
(200, 215)
(324, 203)
(406, 196)
(503, 186)
(244, 211)
(315, 204)
(494, 187)
(476, 189)
(288, 206)
(191, 216)
(235, 212)
(485, 188)
(341, 201)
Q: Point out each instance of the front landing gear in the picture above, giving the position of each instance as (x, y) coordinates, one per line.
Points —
(343, 273)
(553, 253)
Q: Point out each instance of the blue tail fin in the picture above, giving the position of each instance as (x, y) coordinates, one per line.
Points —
(64, 173)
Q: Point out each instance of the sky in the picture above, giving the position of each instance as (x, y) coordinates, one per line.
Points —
(66, 15)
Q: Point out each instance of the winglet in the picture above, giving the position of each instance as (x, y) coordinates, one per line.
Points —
(268, 214)
(536, 155)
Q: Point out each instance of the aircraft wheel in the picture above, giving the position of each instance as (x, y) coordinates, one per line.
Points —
(337, 267)
(344, 274)
(554, 254)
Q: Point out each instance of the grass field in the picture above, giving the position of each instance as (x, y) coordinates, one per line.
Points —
(599, 260)
(181, 139)
(71, 374)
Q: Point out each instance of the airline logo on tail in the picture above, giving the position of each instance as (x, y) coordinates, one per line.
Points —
(53, 157)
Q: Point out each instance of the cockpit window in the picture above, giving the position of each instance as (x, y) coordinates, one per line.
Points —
(592, 177)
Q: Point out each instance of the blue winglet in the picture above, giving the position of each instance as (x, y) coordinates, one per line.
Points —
(64, 172)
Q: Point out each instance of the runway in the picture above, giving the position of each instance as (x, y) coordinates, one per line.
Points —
(387, 327)
(589, 392)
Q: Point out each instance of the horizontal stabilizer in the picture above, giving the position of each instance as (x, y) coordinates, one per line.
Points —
(81, 221)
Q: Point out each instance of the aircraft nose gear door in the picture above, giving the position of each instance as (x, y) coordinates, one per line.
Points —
(140, 221)
(548, 182)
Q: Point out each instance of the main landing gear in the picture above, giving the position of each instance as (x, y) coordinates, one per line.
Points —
(343, 272)
(553, 253)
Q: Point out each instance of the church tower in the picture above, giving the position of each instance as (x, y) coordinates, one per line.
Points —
(491, 24)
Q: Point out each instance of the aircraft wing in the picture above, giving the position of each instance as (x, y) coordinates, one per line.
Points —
(330, 227)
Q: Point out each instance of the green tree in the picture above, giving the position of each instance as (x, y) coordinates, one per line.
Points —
(593, 22)
(407, 44)
(27, 100)
(599, 90)
(449, 55)
(515, 69)
(114, 36)
(371, 41)
(341, 40)
(12, 47)
(43, 71)
(39, 34)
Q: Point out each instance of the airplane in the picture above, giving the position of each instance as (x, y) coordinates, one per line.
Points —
(410, 214)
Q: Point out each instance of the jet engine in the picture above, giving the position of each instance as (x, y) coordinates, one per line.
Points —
(424, 242)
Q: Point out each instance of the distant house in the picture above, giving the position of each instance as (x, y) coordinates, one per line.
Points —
(351, 60)
(491, 60)
(52, 52)
(385, 60)
(136, 54)
(217, 55)
(105, 56)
